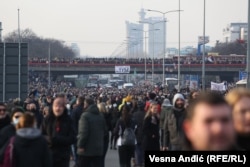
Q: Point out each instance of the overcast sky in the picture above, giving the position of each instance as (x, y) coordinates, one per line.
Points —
(98, 26)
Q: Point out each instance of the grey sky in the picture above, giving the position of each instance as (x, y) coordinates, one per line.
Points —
(98, 26)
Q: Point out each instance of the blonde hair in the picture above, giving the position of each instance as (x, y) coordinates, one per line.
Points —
(236, 94)
(102, 107)
(148, 114)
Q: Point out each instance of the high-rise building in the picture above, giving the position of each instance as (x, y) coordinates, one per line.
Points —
(75, 49)
(155, 37)
(234, 32)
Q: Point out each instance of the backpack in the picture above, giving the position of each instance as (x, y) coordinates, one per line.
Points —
(8, 159)
(128, 137)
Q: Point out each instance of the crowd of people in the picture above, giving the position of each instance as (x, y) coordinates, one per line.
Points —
(53, 126)
(186, 60)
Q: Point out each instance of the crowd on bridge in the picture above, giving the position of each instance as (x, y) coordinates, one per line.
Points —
(185, 60)
(58, 123)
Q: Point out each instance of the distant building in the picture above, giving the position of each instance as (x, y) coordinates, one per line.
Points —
(75, 49)
(156, 37)
(134, 39)
(1, 31)
(234, 32)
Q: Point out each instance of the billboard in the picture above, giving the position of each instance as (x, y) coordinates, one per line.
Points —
(9, 71)
(202, 41)
(242, 75)
(122, 69)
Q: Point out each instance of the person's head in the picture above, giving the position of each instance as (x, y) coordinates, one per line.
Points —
(194, 94)
(152, 110)
(166, 103)
(178, 101)
(125, 111)
(32, 107)
(209, 124)
(58, 106)
(88, 102)
(102, 107)
(45, 111)
(16, 113)
(27, 120)
(3, 112)
(239, 100)
(80, 101)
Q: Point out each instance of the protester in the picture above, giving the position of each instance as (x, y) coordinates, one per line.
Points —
(59, 132)
(30, 147)
(4, 117)
(90, 137)
(209, 124)
(102, 109)
(151, 136)
(173, 131)
(126, 152)
(239, 100)
(165, 107)
(138, 117)
(10, 130)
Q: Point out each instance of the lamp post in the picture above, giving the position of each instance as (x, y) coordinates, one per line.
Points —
(145, 52)
(164, 41)
(49, 71)
(248, 47)
(203, 55)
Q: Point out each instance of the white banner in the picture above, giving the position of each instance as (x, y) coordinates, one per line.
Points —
(201, 40)
(122, 69)
(218, 86)
(193, 84)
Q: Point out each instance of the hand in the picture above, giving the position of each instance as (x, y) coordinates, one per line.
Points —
(80, 150)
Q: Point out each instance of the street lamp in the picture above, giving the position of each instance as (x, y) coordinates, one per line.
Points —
(248, 48)
(153, 45)
(145, 52)
(203, 55)
(164, 45)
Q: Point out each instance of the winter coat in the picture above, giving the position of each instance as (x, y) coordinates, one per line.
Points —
(61, 134)
(92, 127)
(31, 149)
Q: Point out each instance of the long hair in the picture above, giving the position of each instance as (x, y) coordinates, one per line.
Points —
(126, 116)
(102, 107)
(27, 120)
(149, 113)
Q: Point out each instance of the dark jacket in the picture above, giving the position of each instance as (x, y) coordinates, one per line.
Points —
(173, 131)
(92, 127)
(164, 111)
(243, 141)
(151, 136)
(61, 133)
(121, 125)
(138, 118)
(4, 122)
(76, 115)
(31, 149)
(6, 133)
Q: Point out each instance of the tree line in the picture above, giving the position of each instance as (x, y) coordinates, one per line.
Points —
(39, 46)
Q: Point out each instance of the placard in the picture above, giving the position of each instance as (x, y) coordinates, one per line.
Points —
(122, 69)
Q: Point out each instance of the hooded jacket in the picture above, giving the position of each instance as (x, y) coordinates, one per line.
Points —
(92, 127)
(30, 149)
(173, 132)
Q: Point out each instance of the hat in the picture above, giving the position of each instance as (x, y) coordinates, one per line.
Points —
(15, 110)
(166, 103)
(178, 96)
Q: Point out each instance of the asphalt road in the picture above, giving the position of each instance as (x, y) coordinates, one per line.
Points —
(112, 159)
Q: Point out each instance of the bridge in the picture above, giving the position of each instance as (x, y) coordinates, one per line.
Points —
(226, 70)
